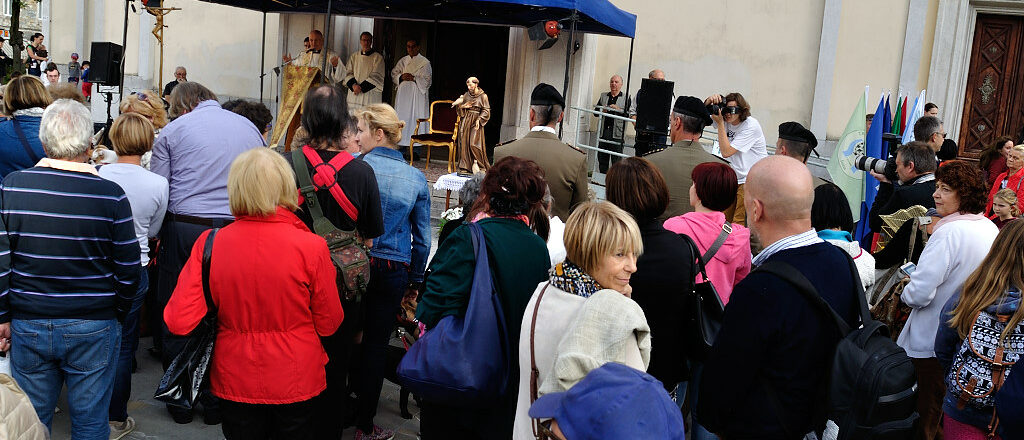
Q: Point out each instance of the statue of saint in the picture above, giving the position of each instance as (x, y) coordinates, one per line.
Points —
(474, 110)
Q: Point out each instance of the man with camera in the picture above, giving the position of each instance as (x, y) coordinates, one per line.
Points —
(915, 166)
(797, 142)
(676, 163)
(740, 139)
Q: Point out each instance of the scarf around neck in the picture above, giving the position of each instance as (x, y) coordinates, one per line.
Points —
(570, 278)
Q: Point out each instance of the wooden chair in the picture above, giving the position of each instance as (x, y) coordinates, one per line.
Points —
(444, 127)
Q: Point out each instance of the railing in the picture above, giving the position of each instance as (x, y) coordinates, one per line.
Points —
(709, 136)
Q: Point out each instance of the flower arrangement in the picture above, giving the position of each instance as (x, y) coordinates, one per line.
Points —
(449, 214)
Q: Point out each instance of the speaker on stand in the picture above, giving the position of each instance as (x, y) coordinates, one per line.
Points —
(653, 104)
(105, 70)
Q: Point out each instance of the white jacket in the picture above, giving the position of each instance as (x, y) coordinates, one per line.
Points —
(556, 319)
(953, 252)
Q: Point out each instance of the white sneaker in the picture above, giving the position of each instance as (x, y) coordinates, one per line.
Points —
(120, 429)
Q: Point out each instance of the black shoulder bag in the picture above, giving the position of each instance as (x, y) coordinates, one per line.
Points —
(189, 371)
(704, 306)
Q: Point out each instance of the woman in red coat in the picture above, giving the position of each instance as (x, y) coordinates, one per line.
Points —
(1012, 178)
(274, 287)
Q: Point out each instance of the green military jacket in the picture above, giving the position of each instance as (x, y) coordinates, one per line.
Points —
(676, 163)
(565, 168)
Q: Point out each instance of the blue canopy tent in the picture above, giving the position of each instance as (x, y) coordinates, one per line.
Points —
(590, 16)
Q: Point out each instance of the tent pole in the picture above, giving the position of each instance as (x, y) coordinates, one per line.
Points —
(124, 42)
(263, 54)
(327, 36)
(629, 74)
(568, 55)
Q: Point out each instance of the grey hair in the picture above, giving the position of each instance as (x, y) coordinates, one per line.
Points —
(691, 124)
(926, 126)
(470, 191)
(180, 68)
(65, 129)
(546, 114)
(187, 95)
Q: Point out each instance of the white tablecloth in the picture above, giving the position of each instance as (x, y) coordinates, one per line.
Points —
(450, 182)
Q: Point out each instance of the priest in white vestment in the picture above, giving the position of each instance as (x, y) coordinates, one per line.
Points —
(313, 57)
(364, 78)
(412, 75)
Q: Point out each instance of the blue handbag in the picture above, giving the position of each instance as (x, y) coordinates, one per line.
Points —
(463, 360)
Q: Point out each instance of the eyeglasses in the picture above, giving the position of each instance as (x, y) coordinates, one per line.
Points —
(142, 96)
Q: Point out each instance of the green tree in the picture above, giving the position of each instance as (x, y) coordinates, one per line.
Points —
(17, 40)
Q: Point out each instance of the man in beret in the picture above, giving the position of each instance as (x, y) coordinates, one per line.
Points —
(797, 142)
(565, 167)
(676, 163)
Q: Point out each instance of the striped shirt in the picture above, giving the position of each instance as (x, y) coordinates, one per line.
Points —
(793, 241)
(67, 244)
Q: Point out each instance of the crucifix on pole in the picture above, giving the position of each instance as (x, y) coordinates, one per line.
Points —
(158, 32)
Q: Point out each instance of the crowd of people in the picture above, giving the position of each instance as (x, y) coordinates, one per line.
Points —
(189, 215)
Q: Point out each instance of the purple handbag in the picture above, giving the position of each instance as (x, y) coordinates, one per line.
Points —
(463, 360)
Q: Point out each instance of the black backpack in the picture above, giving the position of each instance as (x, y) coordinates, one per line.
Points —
(872, 387)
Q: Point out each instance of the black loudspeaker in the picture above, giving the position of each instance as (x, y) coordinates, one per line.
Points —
(653, 103)
(105, 63)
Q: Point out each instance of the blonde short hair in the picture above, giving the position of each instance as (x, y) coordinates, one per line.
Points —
(148, 104)
(383, 117)
(596, 230)
(131, 134)
(259, 181)
(1018, 148)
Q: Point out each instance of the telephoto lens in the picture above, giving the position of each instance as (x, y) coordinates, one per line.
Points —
(868, 163)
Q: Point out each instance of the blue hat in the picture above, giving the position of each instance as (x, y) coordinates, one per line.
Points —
(613, 402)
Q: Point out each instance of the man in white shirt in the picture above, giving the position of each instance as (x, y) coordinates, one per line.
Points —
(312, 57)
(412, 74)
(364, 76)
(51, 75)
(740, 140)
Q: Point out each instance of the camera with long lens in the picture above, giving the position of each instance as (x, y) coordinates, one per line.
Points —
(886, 167)
(868, 164)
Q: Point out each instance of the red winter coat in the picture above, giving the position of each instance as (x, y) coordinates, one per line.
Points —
(274, 287)
(1014, 182)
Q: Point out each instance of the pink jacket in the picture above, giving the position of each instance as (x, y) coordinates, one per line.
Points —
(732, 261)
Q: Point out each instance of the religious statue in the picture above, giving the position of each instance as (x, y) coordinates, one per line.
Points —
(474, 110)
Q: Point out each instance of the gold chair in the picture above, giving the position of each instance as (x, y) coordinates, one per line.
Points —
(443, 129)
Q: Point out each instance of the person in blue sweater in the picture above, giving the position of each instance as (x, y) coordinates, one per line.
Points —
(25, 99)
(69, 265)
(772, 340)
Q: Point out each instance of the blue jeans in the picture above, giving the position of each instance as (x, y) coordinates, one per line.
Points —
(46, 353)
(129, 343)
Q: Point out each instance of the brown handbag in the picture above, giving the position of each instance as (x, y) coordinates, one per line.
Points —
(889, 308)
(538, 432)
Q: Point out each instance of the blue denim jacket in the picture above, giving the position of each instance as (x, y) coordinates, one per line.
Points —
(405, 202)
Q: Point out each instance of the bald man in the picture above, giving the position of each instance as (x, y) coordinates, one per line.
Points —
(312, 57)
(772, 338)
(612, 102)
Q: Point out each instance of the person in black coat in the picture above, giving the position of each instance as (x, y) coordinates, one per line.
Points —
(915, 165)
(664, 268)
(764, 376)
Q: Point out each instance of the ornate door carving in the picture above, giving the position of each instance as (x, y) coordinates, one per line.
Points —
(993, 106)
